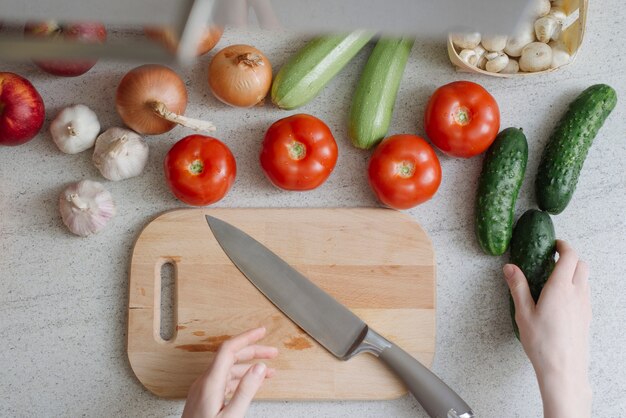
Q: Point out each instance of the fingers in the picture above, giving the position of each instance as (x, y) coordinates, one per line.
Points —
(520, 291)
(256, 352)
(581, 274)
(227, 354)
(566, 265)
(247, 388)
(232, 384)
(213, 382)
(239, 370)
(244, 339)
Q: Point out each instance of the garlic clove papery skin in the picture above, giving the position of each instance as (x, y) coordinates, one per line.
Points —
(120, 154)
(75, 129)
(86, 207)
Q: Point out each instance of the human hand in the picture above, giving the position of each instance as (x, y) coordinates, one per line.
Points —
(555, 333)
(228, 376)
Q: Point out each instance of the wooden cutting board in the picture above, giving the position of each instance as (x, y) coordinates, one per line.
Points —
(377, 262)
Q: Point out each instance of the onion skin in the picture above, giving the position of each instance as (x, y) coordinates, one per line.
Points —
(140, 88)
(166, 37)
(240, 75)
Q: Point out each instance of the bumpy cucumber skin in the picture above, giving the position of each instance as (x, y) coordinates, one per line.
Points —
(375, 95)
(533, 247)
(311, 68)
(567, 148)
(499, 184)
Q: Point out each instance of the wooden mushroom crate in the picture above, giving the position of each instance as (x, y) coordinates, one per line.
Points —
(570, 38)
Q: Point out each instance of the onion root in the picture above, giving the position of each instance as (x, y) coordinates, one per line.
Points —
(197, 125)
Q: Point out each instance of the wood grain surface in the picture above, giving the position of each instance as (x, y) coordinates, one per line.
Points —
(377, 262)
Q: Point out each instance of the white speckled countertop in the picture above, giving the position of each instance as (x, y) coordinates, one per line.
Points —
(63, 300)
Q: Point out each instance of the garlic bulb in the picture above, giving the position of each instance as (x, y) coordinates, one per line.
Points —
(120, 154)
(75, 129)
(86, 207)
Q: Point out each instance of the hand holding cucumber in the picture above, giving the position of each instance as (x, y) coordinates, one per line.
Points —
(555, 332)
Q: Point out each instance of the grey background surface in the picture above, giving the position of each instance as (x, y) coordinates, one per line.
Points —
(63, 299)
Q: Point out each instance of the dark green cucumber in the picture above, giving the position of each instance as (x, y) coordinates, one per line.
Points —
(498, 187)
(375, 95)
(565, 153)
(312, 67)
(533, 247)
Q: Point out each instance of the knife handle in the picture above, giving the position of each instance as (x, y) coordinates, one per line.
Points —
(437, 399)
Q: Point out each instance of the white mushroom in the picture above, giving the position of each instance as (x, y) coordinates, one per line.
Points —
(494, 42)
(491, 55)
(480, 56)
(523, 37)
(547, 28)
(465, 40)
(497, 63)
(558, 14)
(560, 54)
(512, 67)
(536, 56)
(539, 8)
(468, 56)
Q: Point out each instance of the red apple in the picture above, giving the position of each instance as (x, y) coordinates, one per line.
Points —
(21, 110)
(88, 32)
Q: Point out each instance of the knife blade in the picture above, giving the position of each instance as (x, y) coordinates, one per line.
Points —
(330, 323)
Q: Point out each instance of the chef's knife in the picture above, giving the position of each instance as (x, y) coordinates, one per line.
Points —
(330, 323)
(423, 18)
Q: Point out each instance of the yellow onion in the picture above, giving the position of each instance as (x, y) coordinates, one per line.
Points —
(151, 99)
(240, 75)
(167, 37)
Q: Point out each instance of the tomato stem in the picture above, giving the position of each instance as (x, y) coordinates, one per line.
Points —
(462, 116)
(405, 169)
(196, 167)
(297, 150)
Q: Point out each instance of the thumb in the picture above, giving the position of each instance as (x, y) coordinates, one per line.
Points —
(520, 291)
(247, 388)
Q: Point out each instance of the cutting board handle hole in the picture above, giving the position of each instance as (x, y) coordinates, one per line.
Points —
(167, 305)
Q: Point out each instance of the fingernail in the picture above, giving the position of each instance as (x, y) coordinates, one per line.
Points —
(508, 270)
(259, 369)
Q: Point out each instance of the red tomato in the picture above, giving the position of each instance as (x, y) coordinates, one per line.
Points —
(462, 119)
(299, 153)
(200, 170)
(404, 171)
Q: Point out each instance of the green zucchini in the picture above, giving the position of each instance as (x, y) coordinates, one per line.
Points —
(375, 95)
(311, 68)
(498, 187)
(565, 153)
(533, 247)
